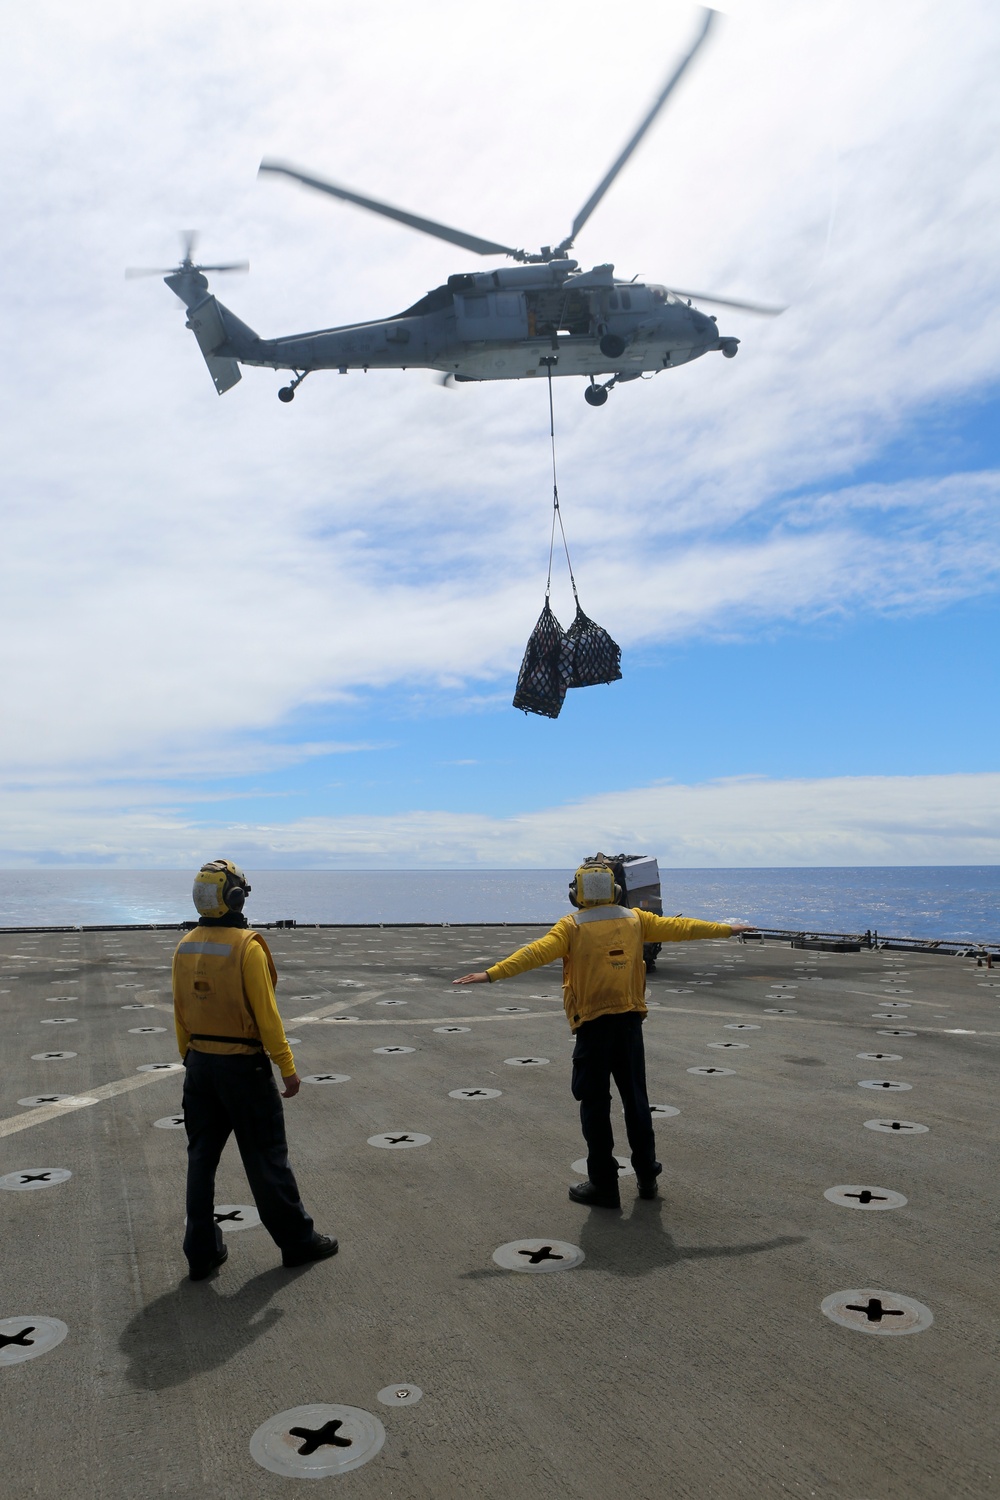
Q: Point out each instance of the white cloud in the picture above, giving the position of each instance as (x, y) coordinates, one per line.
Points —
(741, 822)
(178, 567)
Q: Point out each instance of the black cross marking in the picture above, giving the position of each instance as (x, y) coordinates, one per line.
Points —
(35, 1176)
(545, 1253)
(525, 1059)
(320, 1437)
(221, 1218)
(865, 1196)
(875, 1312)
(710, 1070)
(394, 1140)
(324, 1077)
(472, 1093)
(20, 1339)
(48, 1098)
(394, 1049)
(899, 1125)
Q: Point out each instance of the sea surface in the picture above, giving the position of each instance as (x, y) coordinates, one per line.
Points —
(952, 901)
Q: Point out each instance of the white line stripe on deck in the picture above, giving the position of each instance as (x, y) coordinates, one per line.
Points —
(43, 1112)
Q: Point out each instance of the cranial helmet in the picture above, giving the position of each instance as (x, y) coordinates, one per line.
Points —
(220, 887)
(594, 885)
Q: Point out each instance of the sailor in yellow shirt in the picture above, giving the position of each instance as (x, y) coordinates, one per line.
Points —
(604, 986)
(228, 1026)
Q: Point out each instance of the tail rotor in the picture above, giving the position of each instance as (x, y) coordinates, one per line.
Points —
(187, 266)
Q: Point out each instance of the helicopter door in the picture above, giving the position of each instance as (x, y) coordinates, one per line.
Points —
(491, 316)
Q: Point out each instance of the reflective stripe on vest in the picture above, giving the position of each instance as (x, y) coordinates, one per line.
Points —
(209, 999)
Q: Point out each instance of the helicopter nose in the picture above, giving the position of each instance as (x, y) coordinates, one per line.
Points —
(705, 325)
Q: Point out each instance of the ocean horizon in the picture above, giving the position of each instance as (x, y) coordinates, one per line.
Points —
(935, 902)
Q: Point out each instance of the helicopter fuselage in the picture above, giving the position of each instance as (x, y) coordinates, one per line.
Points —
(508, 324)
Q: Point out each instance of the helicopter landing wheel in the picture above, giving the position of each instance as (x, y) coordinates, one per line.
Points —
(595, 395)
(286, 393)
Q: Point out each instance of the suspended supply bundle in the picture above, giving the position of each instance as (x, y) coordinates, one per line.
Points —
(557, 659)
(596, 657)
(547, 669)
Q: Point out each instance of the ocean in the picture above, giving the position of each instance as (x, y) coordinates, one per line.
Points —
(951, 901)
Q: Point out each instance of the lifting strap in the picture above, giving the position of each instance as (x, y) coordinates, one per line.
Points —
(556, 512)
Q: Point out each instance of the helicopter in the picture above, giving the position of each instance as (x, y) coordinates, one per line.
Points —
(541, 316)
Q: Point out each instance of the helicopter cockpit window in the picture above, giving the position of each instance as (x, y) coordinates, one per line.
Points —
(613, 301)
(659, 294)
(627, 301)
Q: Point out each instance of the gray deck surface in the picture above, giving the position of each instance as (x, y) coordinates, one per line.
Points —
(686, 1357)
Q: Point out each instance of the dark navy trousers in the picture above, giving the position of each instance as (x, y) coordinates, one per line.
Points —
(233, 1095)
(611, 1047)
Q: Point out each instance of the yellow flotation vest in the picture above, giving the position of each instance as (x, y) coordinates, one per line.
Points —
(604, 973)
(209, 999)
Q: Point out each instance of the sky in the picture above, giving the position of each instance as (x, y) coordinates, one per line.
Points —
(291, 634)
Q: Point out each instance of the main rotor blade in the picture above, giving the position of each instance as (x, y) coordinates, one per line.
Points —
(414, 221)
(762, 308)
(658, 103)
(234, 265)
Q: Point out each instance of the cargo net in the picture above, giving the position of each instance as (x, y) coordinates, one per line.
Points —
(557, 659)
(547, 669)
(596, 657)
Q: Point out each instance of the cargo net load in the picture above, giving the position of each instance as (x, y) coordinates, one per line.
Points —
(639, 878)
(556, 659)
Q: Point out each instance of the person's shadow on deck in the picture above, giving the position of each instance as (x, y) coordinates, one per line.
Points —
(637, 1245)
(196, 1328)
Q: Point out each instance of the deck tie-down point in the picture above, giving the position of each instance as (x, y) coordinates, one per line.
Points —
(535, 1256)
(322, 1437)
(874, 1311)
(20, 1339)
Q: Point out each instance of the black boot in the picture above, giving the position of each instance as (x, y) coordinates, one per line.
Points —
(647, 1185)
(595, 1197)
(318, 1248)
(199, 1272)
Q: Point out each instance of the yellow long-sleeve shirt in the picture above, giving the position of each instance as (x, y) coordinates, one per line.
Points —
(259, 992)
(601, 950)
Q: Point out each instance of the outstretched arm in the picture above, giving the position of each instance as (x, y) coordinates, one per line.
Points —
(685, 929)
(555, 944)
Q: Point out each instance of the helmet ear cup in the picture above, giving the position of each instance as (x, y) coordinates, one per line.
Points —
(235, 898)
